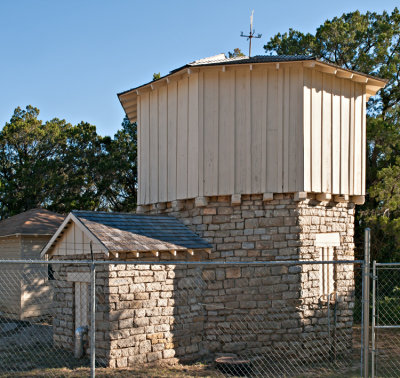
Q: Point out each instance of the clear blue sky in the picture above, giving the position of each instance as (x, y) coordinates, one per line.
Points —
(69, 58)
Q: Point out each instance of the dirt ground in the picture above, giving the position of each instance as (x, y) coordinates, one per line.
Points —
(26, 351)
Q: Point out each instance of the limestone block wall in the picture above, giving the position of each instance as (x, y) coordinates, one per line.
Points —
(149, 313)
(285, 301)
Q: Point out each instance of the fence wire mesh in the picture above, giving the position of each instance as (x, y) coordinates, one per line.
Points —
(386, 328)
(247, 319)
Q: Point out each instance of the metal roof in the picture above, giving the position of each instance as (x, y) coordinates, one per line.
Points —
(31, 222)
(122, 232)
(222, 60)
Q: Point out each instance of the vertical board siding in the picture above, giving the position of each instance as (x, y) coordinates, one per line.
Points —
(242, 132)
(299, 131)
(345, 136)
(358, 91)
(286, 127)
(210, 114)
(336, 135)
(226, 139)
(316, 126)
(182, 139)
(172, 139)
(307, 93)
(139, 152)
(162, 145)
(363, 141)
(249, 130)
(145, 146)
(258, 123)
(351, 140)
(326, 177)
(201, 134)
(273, 148)
(154, 147)
(193, 146)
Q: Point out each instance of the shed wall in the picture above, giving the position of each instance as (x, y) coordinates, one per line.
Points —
(36, 293)
(10, 282)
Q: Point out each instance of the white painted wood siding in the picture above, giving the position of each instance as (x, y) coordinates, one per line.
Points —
(334, 134)
(251, 130)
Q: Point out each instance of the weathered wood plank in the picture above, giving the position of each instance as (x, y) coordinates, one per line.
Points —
(172, 137)
(336, 137)
(327, 133)
(162, 144)
(211, 89)
(182, 139)
(145, 146)
(345, 137)
(258, 124)
(307, 93)
(193, 131)
(273, 148)
(316, 125)
(226, 139)
(154, 147)
(242, 132)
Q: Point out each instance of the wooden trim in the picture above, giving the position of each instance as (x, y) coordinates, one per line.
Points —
(236, 199)
(323, 197)
(78, 277)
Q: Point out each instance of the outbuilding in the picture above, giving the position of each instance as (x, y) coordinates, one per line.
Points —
(140, 316)
(25, 289)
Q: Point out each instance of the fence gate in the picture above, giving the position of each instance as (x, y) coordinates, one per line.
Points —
(385, 355)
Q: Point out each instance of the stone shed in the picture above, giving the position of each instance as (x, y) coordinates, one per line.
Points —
(144, 313)
(24, 290)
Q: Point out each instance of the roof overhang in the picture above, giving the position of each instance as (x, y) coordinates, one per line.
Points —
(49, 247)
(115, 252)
(128, 99)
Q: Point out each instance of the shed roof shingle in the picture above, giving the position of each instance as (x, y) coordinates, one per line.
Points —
(135, 232)
(31, 222)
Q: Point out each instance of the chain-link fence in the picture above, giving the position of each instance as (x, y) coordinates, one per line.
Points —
(257, 319)
(386, 320)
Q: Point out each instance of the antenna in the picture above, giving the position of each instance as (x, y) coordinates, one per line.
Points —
(251, 34)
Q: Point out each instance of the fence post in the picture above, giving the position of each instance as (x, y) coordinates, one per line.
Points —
(92, 315)
(366, 290)
(374, 278)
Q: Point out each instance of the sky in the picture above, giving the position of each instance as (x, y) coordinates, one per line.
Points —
(70, 58)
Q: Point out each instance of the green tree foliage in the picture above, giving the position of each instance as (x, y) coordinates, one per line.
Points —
(369, 43)
(235, 53)
(156, 76)
(63, 167)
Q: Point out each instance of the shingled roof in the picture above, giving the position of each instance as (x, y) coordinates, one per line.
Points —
(31, 222)
(128, 232)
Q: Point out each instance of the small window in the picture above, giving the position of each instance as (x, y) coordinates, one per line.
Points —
(327, 284)
(50, 272)
(326, 242)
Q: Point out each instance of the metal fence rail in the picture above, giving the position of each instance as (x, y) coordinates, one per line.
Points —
(254, 318)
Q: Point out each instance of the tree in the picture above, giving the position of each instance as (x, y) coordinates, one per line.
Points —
(62, 167)
(369, 43)
(236, 53)
(119, 185)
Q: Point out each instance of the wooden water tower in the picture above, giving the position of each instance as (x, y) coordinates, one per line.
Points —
(245, 148)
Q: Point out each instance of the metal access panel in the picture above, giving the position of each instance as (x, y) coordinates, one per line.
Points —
(385, 320)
